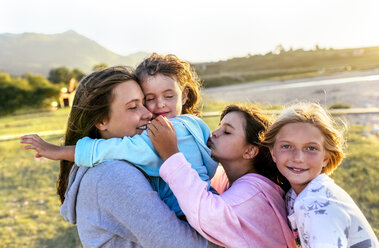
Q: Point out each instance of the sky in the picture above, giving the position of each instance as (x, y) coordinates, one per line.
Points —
(200, 30)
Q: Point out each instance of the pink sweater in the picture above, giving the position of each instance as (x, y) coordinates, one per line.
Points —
(251, 213)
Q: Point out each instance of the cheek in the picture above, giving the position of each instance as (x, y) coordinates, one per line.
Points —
(150, 106)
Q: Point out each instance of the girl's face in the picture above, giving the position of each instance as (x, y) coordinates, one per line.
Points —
(128, 116)
(299, 153)
(228, 141)
(163, 96)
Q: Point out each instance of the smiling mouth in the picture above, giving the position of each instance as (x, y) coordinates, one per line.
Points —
(297, 170)
(162, 113)
(143, 127)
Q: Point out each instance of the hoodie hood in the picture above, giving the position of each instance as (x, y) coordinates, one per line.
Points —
(68, 208)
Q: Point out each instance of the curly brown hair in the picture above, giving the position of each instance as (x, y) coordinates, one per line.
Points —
(171, 66)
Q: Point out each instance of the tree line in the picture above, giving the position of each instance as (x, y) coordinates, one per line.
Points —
(34, 90)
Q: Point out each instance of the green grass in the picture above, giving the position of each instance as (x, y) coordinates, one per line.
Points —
(29, 206)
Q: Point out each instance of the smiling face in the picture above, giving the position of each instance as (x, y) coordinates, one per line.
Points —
(163, 96)
(299, 153)
(228, 141)
(128, 116)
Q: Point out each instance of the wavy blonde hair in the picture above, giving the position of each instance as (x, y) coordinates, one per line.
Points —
(313, 113)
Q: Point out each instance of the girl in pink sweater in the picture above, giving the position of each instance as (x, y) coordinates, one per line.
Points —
(250, 210)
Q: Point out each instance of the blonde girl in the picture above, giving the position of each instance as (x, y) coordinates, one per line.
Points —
(307, 147)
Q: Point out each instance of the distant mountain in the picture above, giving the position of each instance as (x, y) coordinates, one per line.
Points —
(38, 53)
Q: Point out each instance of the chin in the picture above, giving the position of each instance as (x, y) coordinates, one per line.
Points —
(214, 158)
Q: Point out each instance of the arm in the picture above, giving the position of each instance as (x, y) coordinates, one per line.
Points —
(137, 150)
(209, 214)
(125, 193)
(47, 150)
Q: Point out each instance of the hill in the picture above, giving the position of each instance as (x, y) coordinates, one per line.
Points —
(38, 53)
(282, 64)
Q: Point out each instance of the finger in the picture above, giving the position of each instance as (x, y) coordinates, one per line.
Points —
(26, 141)
(33, 147)
(150, 133)
(28, 136)
(160, 120)
(152, 127)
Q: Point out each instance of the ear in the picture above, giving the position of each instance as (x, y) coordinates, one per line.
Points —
(325, 161)
(185, 95)
(272, 154)
(250, 152)
(102, 126)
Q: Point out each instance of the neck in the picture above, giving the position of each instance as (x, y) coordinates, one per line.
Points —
(237, 169)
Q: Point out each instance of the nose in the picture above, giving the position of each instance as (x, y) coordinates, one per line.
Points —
(298, 155)
(216, 133)
(146, 114)
(161, 103)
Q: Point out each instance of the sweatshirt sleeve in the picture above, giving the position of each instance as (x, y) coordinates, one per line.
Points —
(137, 150)
(209, 214)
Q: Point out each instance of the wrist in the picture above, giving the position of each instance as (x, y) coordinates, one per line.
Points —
(67, 153)
(168, 154)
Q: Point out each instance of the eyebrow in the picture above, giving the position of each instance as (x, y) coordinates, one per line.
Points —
(228, 125)
(307, 143)
(133, 100)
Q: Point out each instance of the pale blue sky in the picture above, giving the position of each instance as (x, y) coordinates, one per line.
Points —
(200, 30)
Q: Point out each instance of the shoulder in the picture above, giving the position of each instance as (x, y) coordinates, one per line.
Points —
(254, 186)
(322, 198)
(188, 119)
(115, 175)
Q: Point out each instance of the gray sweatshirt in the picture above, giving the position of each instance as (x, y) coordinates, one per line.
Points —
(114, 205)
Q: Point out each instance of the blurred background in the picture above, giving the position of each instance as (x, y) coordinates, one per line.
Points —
(271, 53)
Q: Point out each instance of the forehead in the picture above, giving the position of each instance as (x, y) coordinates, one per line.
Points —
(304, 132)
(159, 82)
(234, 119)
(127, 91)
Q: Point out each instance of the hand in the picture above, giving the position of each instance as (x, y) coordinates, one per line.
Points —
(47, 150)
(163, 136)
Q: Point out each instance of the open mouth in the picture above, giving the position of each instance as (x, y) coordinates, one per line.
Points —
(143, 127)
(297, 170)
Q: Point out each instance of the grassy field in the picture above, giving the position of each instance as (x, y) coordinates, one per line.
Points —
(29, 206)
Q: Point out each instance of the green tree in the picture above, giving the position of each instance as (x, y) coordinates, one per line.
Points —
(37, 81)
(99, 66)
(77, 74)
(59, 75)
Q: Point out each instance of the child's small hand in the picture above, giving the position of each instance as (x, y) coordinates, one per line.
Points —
(163, 136)
(42, 148)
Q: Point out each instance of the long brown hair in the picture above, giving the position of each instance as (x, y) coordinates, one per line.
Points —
(256, 124)
(171, 66)
(91, 106)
